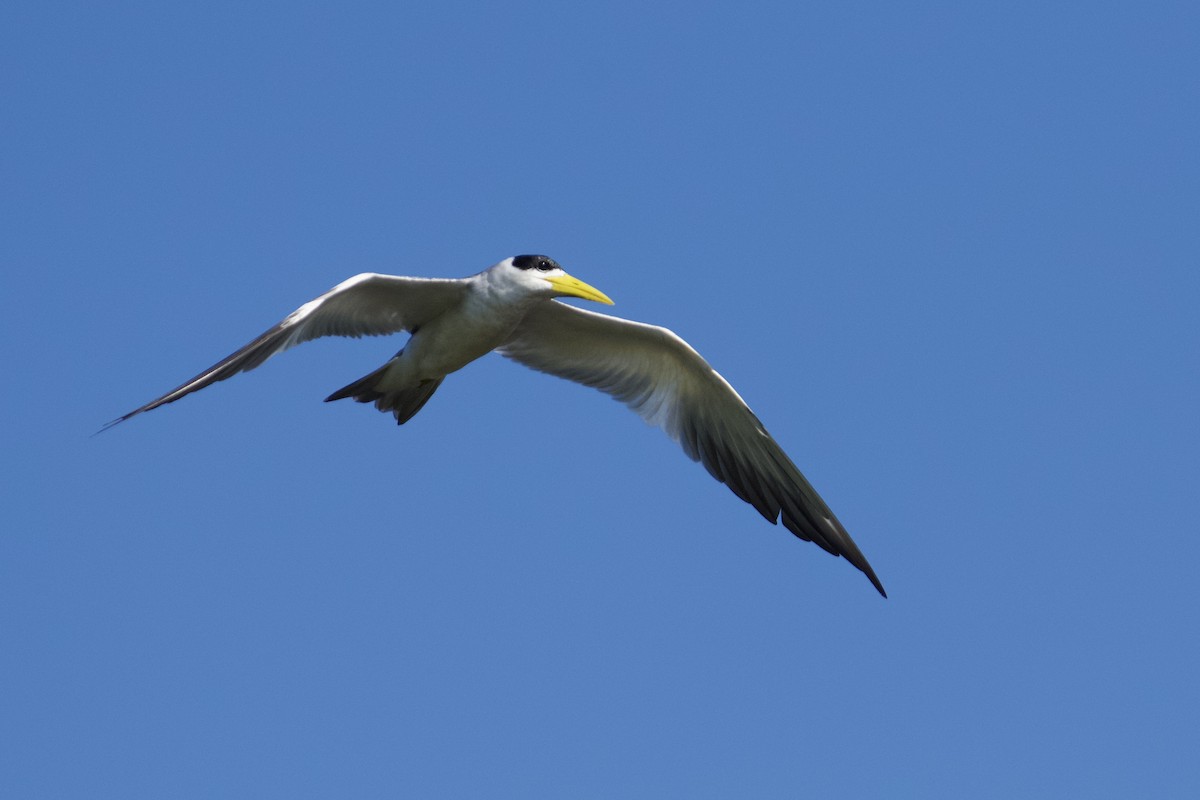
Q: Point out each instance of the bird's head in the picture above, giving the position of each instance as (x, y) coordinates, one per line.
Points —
(543, 275)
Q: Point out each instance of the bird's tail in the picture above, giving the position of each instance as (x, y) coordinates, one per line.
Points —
(404, 403)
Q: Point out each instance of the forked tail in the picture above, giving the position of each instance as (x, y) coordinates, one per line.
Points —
(404, 403)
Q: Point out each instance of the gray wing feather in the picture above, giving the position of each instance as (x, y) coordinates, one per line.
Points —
(659, 376)
(365, 305)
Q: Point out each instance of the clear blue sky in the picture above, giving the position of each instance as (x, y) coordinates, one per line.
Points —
(948, 254)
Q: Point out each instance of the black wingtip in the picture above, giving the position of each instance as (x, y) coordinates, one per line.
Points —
(870, 573)
(110, 424)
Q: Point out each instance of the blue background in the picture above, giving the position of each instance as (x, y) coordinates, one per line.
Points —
(946, 252)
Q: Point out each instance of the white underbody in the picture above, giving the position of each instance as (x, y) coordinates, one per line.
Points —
(482, 322)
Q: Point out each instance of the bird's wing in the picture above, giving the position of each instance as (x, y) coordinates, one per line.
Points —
(658, 375)
(365, 305)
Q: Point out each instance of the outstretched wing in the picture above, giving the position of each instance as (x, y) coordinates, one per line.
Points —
(658, 375)
(365, 305)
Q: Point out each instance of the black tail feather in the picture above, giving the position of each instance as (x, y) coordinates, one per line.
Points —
(403, 403)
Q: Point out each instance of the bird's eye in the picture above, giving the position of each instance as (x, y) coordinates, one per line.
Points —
(540, 263)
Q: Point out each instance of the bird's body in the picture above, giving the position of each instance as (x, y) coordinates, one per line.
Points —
(482, 320)
(510, 308)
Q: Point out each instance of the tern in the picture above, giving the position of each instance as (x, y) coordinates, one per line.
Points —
(511, 308)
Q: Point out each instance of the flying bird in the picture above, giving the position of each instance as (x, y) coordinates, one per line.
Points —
(511, 308)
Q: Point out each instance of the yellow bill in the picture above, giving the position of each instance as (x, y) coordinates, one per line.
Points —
(573, 287)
